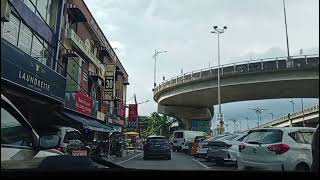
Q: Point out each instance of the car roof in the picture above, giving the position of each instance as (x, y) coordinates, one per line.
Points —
(155, 136)
(287, 129)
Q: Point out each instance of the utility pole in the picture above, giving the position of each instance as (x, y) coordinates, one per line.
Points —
(302, 108)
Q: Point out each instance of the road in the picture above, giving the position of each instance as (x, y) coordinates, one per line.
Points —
(179, 161)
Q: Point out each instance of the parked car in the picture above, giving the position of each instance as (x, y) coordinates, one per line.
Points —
(195, 144)
(156, 146)
(286, 149)
(71, 140)
(315, 151)
(203, 146)
(19, 141)
(182, 138)
(224, 149)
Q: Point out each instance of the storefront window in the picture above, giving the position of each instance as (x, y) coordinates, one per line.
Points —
(25, 39)
(37, 48)
(11, 30)
(42, 8)
(47, 9)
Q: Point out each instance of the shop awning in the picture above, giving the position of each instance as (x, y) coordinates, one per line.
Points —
(89, 123)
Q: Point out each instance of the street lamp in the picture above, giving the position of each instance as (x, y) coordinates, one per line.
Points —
(143, 102)
(272, 115)
(258, 111)
(219, 31)
(156, 53)
(292, 103)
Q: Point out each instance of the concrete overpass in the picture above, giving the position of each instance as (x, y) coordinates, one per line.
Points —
(310, 116)
(192, 95)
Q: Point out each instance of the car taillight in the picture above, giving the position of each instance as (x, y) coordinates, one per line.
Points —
(60, 149)
(279, 148)
(241, 147)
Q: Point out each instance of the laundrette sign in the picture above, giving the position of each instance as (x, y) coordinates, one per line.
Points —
(21, 69)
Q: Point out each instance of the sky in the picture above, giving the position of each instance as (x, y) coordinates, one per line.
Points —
(136, 28)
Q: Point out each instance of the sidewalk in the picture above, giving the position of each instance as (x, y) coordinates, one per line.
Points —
(126, 155)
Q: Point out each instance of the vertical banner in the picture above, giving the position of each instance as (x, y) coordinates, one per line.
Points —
(122, 111)
(133, 115)
(109, 82)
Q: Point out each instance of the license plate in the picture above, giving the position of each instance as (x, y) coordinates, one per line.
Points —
(157, 145)
(79, 153)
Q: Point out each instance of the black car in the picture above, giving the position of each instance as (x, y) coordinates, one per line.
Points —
(157, 146)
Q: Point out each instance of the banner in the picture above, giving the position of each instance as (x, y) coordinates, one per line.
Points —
(133, 115)
(122, 112)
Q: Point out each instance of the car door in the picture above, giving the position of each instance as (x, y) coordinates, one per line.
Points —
(301, 147)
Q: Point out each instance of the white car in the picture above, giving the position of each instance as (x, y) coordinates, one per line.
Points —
(19, 141)
(283, 149)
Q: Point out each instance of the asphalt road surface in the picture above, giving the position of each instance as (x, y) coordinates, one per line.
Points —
(179, 161)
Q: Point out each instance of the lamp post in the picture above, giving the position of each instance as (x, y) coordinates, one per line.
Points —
(285, 23)
(219, 31)
(258, 111)
(156, 53)
(272, 115)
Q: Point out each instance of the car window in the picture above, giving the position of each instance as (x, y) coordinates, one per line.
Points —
(302, 137)
(154, 140)
(72, 135)
(178, 135)
(228, 137)
(13, 132)
(241, 139)
(265, 136)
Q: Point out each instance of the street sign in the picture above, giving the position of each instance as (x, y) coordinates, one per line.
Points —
(109, 82)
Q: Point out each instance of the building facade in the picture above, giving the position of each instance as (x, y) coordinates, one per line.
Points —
(29, 48)
(57, 63)
(96, 80)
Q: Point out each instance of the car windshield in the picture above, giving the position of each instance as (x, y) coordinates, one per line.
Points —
(135, 81)
(265, 137)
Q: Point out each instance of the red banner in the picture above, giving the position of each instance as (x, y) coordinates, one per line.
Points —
(122, 113)
(133, 115)
(84, 104)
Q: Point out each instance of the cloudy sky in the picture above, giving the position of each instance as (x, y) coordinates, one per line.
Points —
(182, 27)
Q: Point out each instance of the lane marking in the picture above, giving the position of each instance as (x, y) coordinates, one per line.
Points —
(201, 164)
(129, 159)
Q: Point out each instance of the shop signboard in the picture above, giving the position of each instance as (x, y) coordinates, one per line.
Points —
(25, 71)
(84, 104)
(109, 82)
(133, 115)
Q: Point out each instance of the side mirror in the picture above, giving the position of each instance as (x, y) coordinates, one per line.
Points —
(49, 142)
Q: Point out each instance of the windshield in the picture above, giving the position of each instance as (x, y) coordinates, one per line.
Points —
(135, 81)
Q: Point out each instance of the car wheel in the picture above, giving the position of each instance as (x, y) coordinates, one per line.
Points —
(219, 161)
(207, 158)
(145, 157)
(303, 167)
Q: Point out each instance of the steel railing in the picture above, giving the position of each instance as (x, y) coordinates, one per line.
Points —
(258, 65)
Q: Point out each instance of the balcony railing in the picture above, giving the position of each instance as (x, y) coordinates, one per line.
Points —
(252, 66)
